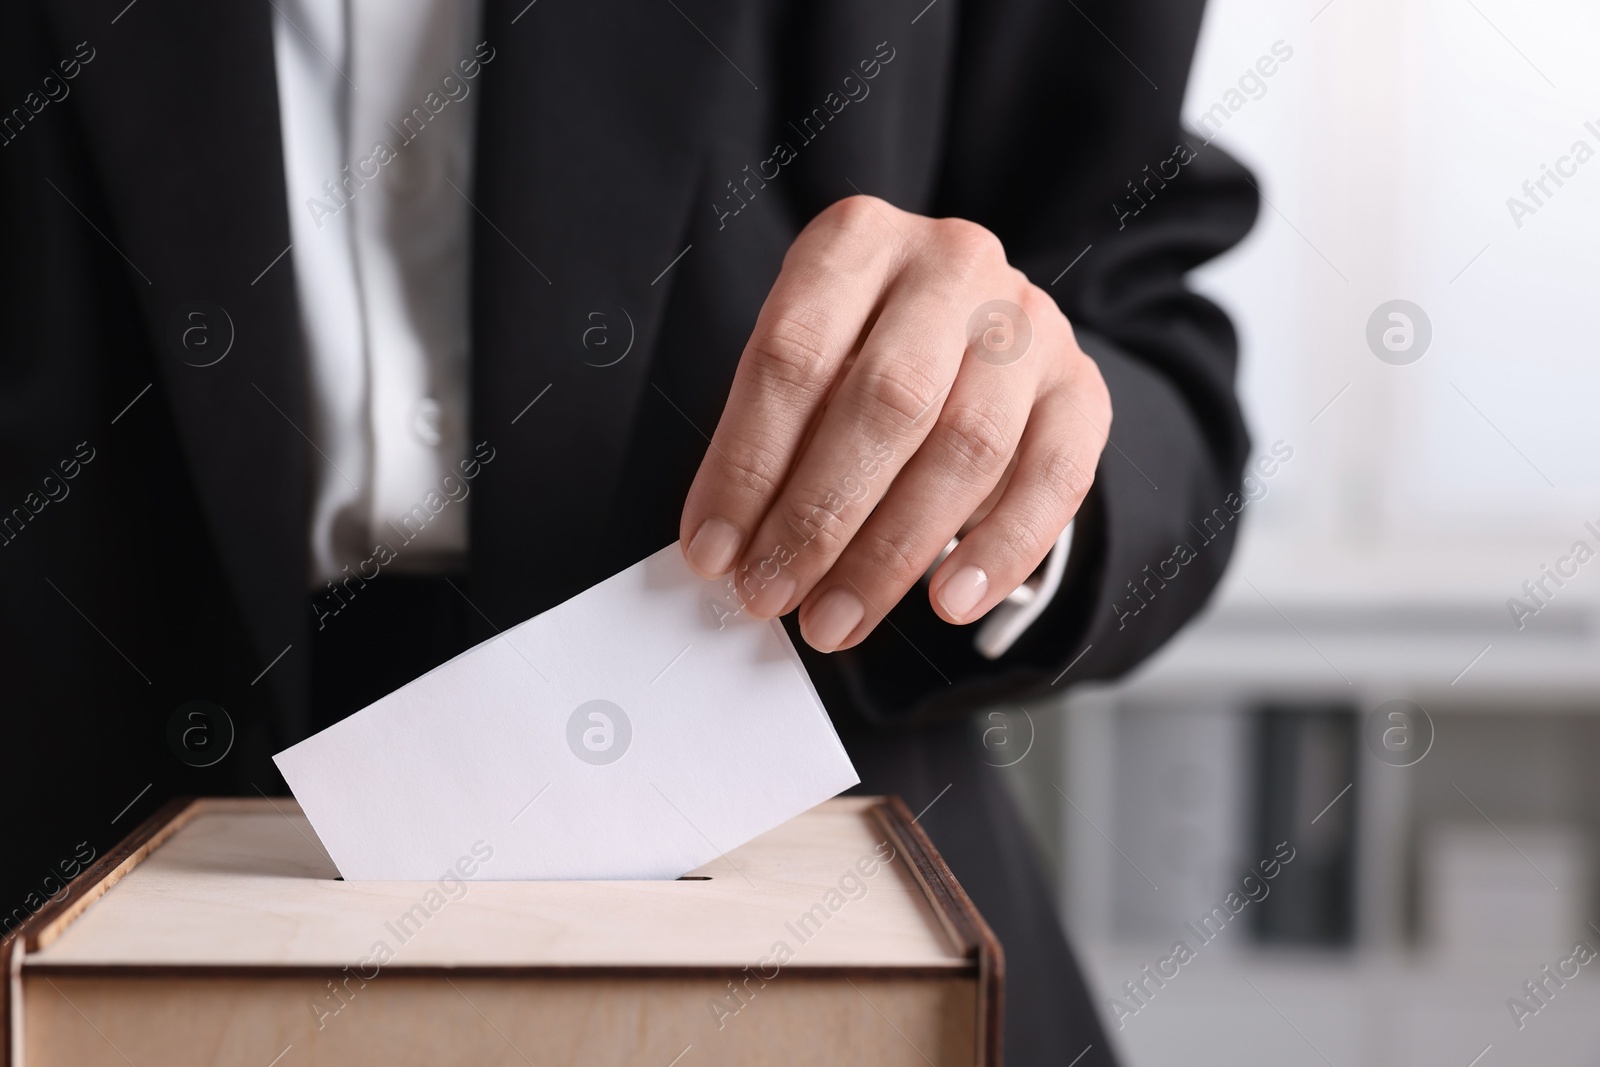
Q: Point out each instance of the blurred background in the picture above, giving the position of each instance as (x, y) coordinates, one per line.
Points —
(1365, 687)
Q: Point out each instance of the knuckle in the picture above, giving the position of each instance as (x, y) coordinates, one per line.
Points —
(968, 246)
(1089, 385)
(889, 559)
(856, 213)
(845, 239)
(1097, 385)
(815, 530)
(794, 350)
(1064, 477)
(1039, 307)
(896, 396)
(1049, 324)
(975, 436)
(1029, 532)
(753, 468)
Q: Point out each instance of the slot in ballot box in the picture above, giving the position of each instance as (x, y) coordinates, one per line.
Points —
(219, 933)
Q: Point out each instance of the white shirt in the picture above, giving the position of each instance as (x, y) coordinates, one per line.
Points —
(377, 103)
(380, 242)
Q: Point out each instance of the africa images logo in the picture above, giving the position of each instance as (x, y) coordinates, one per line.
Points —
(998, 332)
(200, 733)
(1399, 332)
(599, 732)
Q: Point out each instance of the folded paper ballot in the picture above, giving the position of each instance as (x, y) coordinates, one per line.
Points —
(640, 730)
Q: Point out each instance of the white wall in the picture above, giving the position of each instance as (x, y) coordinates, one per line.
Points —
(1386, 149)
(1380, 563)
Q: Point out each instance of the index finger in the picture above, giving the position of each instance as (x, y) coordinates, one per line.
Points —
(832, 279)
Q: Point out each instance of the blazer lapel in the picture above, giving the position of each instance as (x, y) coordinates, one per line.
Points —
(181, 108)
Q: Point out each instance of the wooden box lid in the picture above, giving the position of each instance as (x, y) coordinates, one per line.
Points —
(242, 886)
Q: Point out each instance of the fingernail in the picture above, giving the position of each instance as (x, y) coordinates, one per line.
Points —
(713, 546)
(835, 618)
(963, 591)
(764, 598)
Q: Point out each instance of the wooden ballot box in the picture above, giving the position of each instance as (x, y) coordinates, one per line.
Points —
(219, 933)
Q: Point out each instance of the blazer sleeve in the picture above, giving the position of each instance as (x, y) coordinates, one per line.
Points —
(1064, 137)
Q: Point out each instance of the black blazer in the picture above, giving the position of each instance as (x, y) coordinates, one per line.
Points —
(614, 140)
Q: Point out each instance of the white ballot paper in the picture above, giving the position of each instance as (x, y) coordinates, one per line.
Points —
(639, 730)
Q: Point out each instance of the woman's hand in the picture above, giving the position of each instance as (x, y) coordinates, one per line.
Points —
(903, 383)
